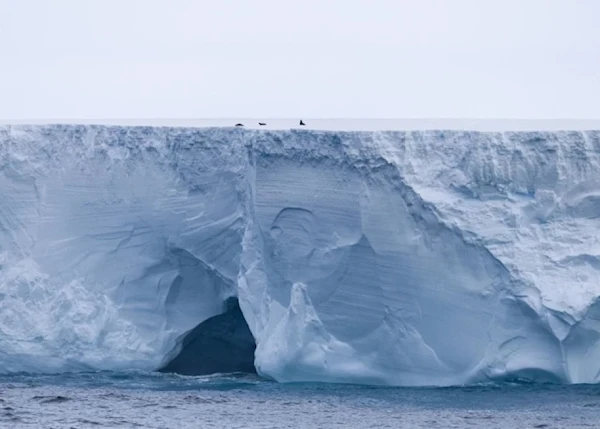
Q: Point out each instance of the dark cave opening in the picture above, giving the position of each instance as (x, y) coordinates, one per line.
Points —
(220, 344)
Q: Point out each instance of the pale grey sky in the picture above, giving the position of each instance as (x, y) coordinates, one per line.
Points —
(309, 58)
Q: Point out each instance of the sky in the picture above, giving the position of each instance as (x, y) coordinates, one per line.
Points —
(527, 59)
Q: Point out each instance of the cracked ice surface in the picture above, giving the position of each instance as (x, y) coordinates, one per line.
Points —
(406, 258)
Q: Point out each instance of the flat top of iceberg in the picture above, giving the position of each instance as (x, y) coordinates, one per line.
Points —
(342, 124)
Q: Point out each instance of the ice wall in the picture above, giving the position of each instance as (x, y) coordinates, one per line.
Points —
(407, 258)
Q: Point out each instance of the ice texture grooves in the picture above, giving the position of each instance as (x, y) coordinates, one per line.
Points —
(402, 258)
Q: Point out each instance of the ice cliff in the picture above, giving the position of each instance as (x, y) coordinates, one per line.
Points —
(402, 258)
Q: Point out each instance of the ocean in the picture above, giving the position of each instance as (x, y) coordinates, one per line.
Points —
(151, 400)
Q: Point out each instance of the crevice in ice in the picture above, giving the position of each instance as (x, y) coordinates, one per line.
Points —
(220, 344)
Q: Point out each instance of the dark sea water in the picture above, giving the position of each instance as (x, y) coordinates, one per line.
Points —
(141, 400)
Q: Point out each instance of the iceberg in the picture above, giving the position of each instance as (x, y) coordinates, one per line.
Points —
(379, 257)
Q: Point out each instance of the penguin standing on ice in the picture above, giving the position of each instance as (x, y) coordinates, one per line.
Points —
(302, 122)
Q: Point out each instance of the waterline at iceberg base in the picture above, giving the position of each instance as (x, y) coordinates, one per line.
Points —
(395, 258)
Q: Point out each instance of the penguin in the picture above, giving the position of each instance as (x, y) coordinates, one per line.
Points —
(262, 123)
(302, 122)
(239, 125)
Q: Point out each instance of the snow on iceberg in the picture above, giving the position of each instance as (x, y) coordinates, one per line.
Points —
(401, 258)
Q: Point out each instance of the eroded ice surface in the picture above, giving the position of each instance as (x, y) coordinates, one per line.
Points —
(409, 258)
